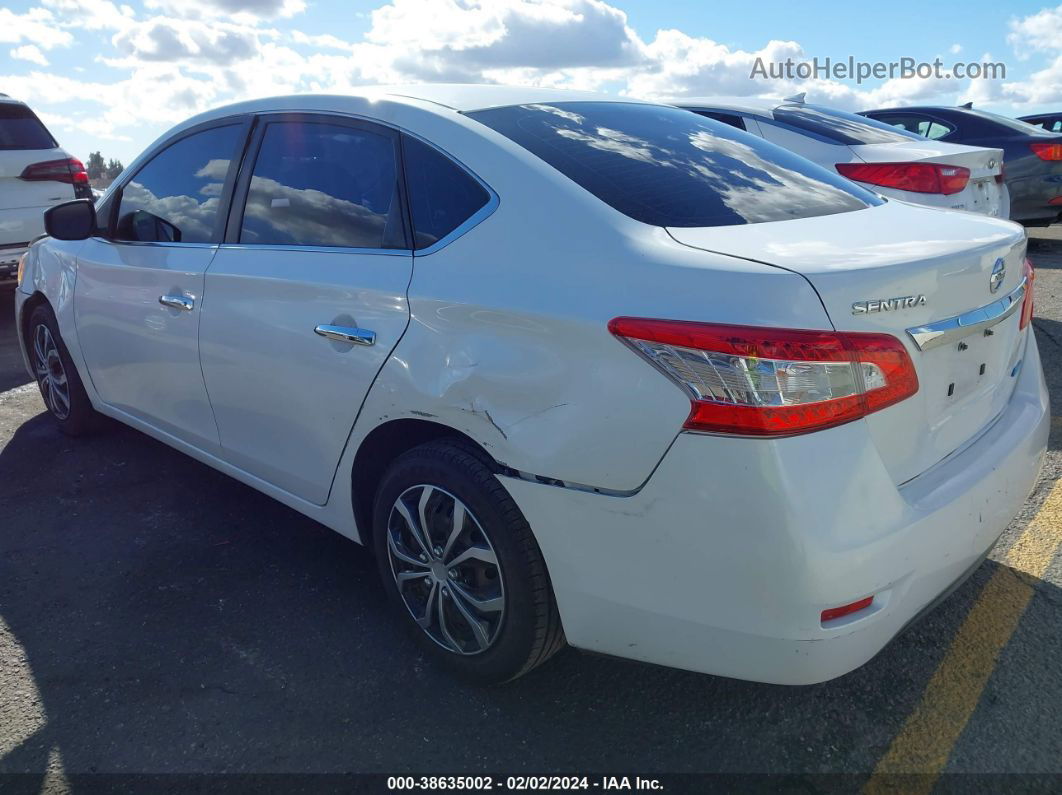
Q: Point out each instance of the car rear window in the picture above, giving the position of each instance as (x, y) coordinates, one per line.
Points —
(21, 129)
(1014, 125)
(668, 167)
(840, 126)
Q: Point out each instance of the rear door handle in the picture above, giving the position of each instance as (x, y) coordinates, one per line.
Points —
(177, 302)
(355, 336)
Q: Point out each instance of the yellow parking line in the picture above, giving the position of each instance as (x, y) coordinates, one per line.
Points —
(926, 740)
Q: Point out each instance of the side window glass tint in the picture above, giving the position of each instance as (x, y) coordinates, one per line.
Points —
(442, 196)
(321, 184)
(932, 130)
(176, 197)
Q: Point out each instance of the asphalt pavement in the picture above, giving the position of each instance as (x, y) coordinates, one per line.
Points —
(157, 616)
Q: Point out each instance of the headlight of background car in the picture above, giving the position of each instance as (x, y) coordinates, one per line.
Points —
(21, 268)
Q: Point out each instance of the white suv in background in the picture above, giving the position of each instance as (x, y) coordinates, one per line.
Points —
(35, 174)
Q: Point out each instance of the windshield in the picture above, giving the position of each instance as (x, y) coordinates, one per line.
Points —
(21, 129)
(668, 167)
(840, 126)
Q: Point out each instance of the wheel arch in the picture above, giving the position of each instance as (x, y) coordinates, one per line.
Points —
(386, 442)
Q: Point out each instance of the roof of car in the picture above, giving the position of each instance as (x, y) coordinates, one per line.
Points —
(453, 96)
(764, 106)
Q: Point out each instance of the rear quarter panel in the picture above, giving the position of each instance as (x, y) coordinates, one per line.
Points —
(508, 339)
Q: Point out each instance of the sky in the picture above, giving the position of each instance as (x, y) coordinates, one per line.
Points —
(112, 76)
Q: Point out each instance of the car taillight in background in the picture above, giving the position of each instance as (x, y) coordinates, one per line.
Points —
(68, 170)
(1027, 303)
(915, 177)
(1047, 151)
(772, 382)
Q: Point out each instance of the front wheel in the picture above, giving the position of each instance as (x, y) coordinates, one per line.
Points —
(60, 385)
(459, 560)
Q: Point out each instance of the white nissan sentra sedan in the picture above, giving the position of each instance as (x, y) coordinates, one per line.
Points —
(580, 370)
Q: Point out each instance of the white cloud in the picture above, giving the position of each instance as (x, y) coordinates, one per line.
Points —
(31, 53)
(37, 26)
(955, 49)
(166, 39)
(1040, 31)
(92, 14)
(245, 10)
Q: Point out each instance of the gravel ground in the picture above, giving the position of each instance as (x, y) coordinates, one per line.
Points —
(157, 616)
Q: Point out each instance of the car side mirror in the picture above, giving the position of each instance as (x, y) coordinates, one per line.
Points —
(74, 220)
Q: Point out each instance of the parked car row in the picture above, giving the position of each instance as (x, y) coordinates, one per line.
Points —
(1033, 155)
(958, 158)
(562, 361)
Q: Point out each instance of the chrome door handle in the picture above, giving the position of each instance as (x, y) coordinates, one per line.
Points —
(355, 336)
(177, 302)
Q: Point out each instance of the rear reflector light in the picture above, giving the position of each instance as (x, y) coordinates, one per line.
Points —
(1055, 201)
(1047, 151)
(772, 382)
(846, 610)
(914, 177)
(69, 170)
(1027, 303)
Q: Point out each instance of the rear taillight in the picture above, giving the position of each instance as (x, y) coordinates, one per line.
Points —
(772, 382)
(1047, 151)
(1027, 303)
(914, 177)
(69, 170)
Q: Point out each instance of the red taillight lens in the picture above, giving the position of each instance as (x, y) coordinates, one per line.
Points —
(772, 382)
(1027, 303)
(846, 610)
(1047, 151)
(915, 177)
(69, 170)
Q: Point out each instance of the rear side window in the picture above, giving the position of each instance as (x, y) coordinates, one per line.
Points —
(839, 126)
(442, 196)
(919, 125)
(668, 167)
(21, 129)
(321, 184)
(176, 196)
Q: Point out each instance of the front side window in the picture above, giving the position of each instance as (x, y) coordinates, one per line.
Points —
(442, 196)
(668, 167)
(176, 196)
(321, 184)
(21, 129)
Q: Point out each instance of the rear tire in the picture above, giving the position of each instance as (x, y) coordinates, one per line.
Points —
(474, 590)
(61, 387)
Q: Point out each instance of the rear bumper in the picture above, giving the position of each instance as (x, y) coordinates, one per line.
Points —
(1030, 197)
(724, 560)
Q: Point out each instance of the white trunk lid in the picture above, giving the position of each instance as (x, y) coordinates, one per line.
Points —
(898, 250)
(983, 194)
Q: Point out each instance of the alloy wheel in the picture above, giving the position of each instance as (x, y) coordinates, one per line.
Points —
(51, 375)
(446, 570)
